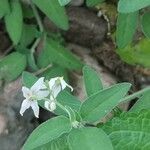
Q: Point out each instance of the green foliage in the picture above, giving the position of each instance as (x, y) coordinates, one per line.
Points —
(55, 71)
(136, 55)
(57, 144)
(63, 2)
(54, 11)
(145, 22)
(12, 66)
(66, 99)
(14, 21)
(142, 103)
(89, 139)
(126, 27)
(91, 3)
(92, 81)
(127, 6)
(28, 79)
(100, 104)
(4, 8)
(130, 131)
(47, 132)
(29, 33)
(73, 132)
(53, 52)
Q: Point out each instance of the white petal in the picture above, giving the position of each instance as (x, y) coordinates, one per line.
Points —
(42, 94)
(56, 90)
(25, 105)
(51, 106)
(26, 92)
(52, 82)
(39, 84)
(69, 86)
(35, 108)
(46, 104)
(64, 84)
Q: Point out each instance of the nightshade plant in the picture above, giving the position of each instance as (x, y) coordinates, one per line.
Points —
(78, 124)
(25, 28)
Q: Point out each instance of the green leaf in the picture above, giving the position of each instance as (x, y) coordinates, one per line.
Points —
(47, 132)
(136, 55)
(27, 11)
(63, 2)
(127, 6)
(92, 81)
(100, 104)
(12, 66)
(66, 99)
(145, 22)
(58, 144)
(4, 8)
(55, 71)
(89, 139)
(130, 131)
(29, 33)
(54, 11)
(142, 103)
(14, 21)
(91, 3)
(28, 79)
(56, 53)
(126, 27)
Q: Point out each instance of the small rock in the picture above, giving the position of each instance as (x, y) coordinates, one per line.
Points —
(86, 28)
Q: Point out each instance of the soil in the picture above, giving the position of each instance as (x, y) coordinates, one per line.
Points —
(87, 37)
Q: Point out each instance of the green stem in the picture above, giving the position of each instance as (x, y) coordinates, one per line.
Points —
(37, 16)
(135, 95)
(63, 108)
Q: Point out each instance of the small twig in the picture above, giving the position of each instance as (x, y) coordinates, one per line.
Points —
(7, 50)
(42, 70)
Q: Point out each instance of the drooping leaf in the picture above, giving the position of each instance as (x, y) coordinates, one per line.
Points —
(92, 81)
(91, 3)
(28, 79)
(14, 21)
(145, 24)
(54, 11)
(63, 2)
(47, 132)
(56, 53)
(57, 144)
(100, 104)
(126, 27)
(12, 66)
(89, 139)
(142, 103)
(130, 131)
(136, 55)
(127, 6)
(4, 8)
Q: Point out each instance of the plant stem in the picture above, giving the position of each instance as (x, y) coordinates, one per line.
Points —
(63, 108)
(37, 16)
(135, 95)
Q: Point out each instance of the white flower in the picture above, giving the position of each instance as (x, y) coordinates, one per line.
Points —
(50, 105)
(58, 84)
(36, 92)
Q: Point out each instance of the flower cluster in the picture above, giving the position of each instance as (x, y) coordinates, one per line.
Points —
(42, 90)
